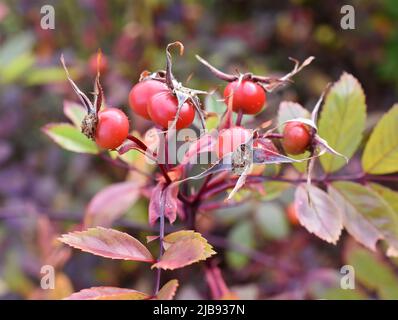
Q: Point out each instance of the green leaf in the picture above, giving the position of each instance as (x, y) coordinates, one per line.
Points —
(15, 46)
(75, 112)
(300, 166)
(387, 194)
(271, 220)
(70, 138)
(17, 68)
(366, 215)
(214, 103)
(381, 151)
(342, 120)
(373, 273)
(273, 189)
(242, 235)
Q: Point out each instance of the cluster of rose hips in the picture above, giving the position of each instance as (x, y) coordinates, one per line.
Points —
(154, 100)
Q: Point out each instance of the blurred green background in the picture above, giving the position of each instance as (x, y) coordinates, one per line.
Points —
(38, 178)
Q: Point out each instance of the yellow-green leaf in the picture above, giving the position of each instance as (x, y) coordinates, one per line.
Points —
(70, 138)
(273, 189)
(373, 272)
(75, 112)
(342, 120)
(387, 194)
(381, 151)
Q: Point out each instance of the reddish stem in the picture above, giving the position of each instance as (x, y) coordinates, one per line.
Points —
(239, 118)
(213, 189)
(138, 142)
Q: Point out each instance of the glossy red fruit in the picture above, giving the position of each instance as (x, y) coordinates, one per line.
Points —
(162, 109)
(141, 93)
(230, 139)
(248, 96)
(112, 128)
(296, 138)
(100, 65)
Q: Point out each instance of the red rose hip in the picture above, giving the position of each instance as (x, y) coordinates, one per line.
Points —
(162, 109)
(296, 138)
(247, 97)
(112, 128)
(141, 93)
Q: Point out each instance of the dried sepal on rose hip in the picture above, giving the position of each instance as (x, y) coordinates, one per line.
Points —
(246, 93)
(108, 127)
(238, 149)
(161, 98)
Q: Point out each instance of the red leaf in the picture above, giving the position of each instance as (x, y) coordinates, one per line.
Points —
(108, 293)
(110, 203)
(108, 243)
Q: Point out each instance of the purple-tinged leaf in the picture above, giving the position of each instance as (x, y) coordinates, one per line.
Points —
(108, 243)
(364, 207)
(355, 222)
(268, 156)
(171, 202)
(318, 212)
(110, 204)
